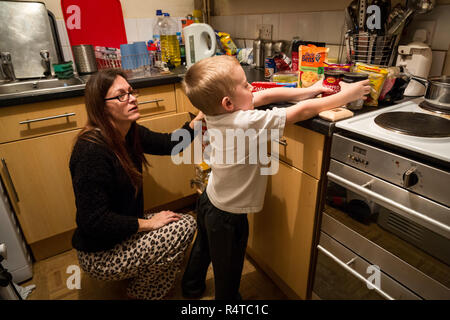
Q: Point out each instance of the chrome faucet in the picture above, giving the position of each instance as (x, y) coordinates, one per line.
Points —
(45, 55)
(7, 66)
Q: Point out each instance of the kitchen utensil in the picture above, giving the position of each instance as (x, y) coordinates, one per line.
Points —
(414, 7)
(278, 47)
(258, 53)
(198, 46)
(84, 56)
(437, 91)
(362, 15)
(350, 27)
(268, 49)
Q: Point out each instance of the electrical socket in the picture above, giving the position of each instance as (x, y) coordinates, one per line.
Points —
(266, 31)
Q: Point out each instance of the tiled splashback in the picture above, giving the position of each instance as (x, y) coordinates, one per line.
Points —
(328, 27)
(136, 30)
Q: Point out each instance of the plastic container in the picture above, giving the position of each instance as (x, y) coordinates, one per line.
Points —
(157, 29)
(170, 46)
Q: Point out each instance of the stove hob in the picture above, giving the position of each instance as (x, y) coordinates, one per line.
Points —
(414, 124)
(433, 108)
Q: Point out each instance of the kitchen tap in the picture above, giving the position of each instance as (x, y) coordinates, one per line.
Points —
(46, 59)
(7, 66)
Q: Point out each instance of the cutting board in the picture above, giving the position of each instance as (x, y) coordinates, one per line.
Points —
(99, 22)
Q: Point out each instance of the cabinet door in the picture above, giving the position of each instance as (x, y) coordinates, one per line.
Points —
(36, 174)
(281, 234)
(183, 102)
(165, 181)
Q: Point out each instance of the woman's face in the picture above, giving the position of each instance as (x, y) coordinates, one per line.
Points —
(122, 112)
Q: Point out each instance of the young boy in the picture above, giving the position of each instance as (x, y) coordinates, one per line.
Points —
(218, 87)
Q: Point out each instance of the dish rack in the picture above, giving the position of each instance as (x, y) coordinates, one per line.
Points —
(109, 61)
(371, 48)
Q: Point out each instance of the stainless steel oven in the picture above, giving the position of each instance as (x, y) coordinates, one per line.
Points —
(385, 227)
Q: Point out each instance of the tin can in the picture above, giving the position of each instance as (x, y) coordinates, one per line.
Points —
(351, 77)
(331, 80)
(269, 67)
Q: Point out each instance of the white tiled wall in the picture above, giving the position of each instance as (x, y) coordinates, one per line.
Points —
(136, 30)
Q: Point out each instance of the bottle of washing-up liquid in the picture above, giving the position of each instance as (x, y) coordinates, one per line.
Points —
(170, 46)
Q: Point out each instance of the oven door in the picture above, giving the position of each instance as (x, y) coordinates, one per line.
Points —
(380, 241)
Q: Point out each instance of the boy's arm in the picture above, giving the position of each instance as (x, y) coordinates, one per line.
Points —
(309, 108)
(273, 95)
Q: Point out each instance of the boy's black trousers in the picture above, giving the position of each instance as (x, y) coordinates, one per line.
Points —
(221, 239)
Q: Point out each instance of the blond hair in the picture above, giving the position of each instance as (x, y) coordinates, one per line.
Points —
(208, 81)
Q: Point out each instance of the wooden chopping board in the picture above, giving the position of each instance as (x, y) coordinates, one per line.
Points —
(95, 22)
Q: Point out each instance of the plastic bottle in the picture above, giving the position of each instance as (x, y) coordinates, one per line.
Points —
(157, 29)
(170, 47)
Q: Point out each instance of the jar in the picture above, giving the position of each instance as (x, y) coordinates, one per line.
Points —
(331, 80)
(352, 77)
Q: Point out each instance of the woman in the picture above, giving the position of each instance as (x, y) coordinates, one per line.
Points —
(114, 239)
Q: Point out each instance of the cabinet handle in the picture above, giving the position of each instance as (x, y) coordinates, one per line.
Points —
(65, 115)
(151, 101)
(8, 176)
(283, 142)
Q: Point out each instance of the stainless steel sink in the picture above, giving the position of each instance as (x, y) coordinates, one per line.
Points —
(38, 85)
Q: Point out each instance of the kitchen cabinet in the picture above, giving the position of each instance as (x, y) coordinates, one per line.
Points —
(281, 235)
(35, 163)
(183, 102)
(165, 182)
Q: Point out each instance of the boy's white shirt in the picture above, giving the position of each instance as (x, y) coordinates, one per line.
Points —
(240, 188)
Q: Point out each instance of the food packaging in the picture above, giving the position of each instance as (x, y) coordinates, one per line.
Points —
(263, 85)
(285, 77)
(227, 43)
(311, 64)
(346, 67)
(377, 77)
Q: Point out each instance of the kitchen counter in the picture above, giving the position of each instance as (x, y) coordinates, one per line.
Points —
(136, 80)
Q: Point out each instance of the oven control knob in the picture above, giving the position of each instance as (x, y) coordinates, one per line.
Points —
(410, 178)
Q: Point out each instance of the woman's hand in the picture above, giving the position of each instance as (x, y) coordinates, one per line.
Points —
(200, 116)
(355, 91)
(159, 220)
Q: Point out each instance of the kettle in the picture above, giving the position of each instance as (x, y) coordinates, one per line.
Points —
(200, 42)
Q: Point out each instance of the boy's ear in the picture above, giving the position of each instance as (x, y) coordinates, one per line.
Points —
(227, 104)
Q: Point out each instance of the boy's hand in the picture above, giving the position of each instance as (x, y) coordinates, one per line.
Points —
(200, 116)
(355, 91)
(318, 88)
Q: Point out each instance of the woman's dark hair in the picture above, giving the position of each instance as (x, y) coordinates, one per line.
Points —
(99, 128)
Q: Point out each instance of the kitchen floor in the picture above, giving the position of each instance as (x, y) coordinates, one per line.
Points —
(50, 278)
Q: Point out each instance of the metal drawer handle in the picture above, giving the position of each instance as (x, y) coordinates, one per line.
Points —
(151, 101)
(353, 272)
(385, 201)
(8, 176)
(283, 142)
(65, 115)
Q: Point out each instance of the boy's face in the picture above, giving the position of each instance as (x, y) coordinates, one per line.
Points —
(242, 98)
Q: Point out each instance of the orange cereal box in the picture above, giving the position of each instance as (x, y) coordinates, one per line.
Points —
(311, 66)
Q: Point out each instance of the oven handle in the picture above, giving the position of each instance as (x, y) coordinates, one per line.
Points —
(353, 272)
(383, 200)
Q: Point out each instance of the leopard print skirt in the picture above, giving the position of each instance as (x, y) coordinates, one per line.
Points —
(150, 259)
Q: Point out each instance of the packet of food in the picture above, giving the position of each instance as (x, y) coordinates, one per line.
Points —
(337, 67)
(227, 43)
(311, 64)
(377, 77)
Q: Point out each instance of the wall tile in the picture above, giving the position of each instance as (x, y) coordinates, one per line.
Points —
(225, 24)
(240, 27)
(252, 26)
(62, 32)
(437, 63)
(145, 29)
(131, 30)
(331, 26)
(288, 26)
(308, 26)
(274, 20)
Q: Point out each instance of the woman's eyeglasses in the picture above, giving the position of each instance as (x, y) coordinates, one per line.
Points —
(125, 96)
